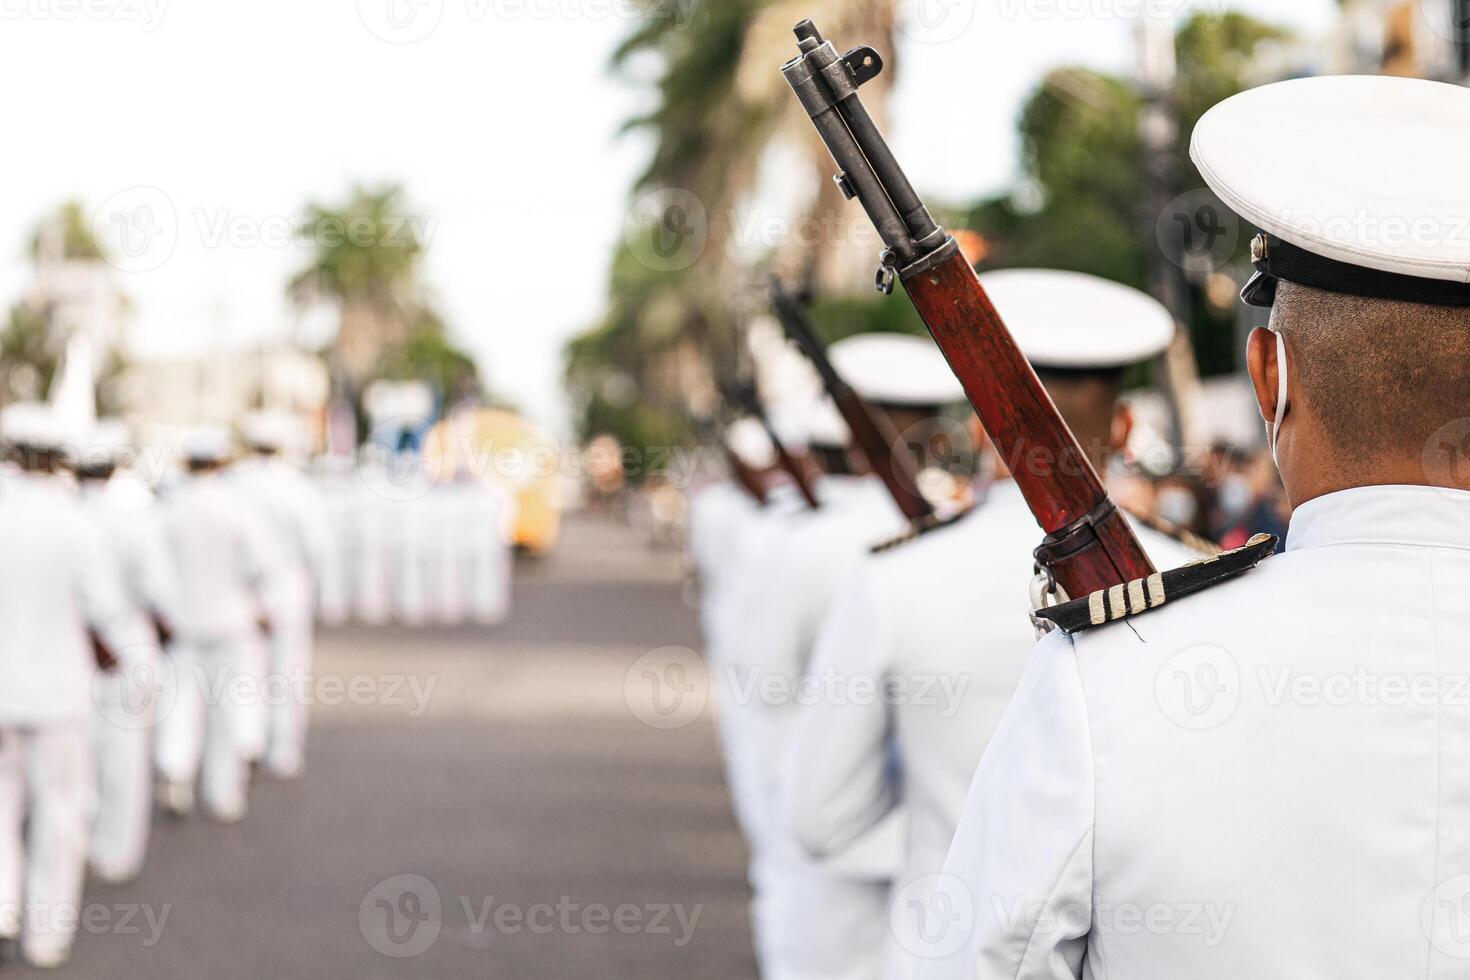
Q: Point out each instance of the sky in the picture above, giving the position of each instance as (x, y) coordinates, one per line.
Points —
(223, 119)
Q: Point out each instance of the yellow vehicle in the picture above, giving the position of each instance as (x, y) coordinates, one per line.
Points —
(504, 450)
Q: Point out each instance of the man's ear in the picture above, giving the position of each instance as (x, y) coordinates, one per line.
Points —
(1260, 361)
(1122, 427)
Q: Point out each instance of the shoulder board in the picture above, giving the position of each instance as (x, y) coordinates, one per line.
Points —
(1147, 594)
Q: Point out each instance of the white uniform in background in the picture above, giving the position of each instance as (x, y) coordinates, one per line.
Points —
(371, 520)
(933, 635)
(224, 560)
(298, 518)
(488, 518)
(56, 583)
(414, 543)
(940, 627)
(819, 919)
(124, 512)
(450, 546)
(334, 590)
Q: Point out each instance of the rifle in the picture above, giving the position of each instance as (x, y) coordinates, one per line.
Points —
(744, 475)
(871, 430)
(1087, 545)
(744, 398)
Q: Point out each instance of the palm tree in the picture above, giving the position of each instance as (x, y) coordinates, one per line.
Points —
(365, 260)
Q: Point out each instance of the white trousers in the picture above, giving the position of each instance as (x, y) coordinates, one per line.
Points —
(290, 645)
(122, 739)
(46, 793)
(199, 733)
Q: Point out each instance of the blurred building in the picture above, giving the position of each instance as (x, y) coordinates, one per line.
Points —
(220, 388)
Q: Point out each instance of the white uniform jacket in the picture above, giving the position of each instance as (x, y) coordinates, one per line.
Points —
(56, 581)
(225, 554)
(1268, 779)
(923, 652)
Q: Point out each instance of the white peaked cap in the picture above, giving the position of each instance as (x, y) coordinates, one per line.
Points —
(207, 444)
(1369, 171)
(748, 440)
(269, 430)
(33, 425)
(1073, 321)
(825, 425)
(895, 369)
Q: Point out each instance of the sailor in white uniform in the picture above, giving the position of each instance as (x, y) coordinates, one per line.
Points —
(61, 602)
(487, 521)
(225, 557)
(122, 510)
(822, 919)
(1267, 778)
(726, 526)
(298, 517)
(938, 628)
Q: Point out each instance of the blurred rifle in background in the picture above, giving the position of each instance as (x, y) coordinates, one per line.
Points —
(741, 472)
(872, 432)
(741, 396)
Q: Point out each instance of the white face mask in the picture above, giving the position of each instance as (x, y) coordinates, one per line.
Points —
(1280, 394)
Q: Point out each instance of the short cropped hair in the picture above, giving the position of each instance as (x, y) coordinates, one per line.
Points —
(1382, 376)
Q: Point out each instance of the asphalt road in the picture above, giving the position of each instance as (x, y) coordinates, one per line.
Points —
(485, 802)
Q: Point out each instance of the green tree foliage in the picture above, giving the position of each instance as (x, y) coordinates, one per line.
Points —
(1083, 206)
(366, 259)
(66, 234)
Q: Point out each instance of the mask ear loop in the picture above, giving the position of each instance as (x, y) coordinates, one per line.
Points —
(1280, 391)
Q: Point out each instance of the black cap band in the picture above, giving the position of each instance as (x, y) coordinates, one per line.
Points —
(1275, 259)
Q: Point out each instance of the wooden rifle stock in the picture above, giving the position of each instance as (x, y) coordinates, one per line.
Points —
(741, 472)
(746, 399)
(800, 474)
(746, 477)
(1088, 545)
(871, 431)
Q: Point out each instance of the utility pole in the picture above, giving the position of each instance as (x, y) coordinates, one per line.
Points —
(1156, 73)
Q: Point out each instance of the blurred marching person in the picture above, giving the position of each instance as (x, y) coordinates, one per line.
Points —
(370, 533)
(449, 547)
(297, 515)
(124, 515)
(62, 614)
(415, 541)
(941, 623)
(1269, 773)
(824, 918)
(225, 559)
(333, 478)
(485, 520)
(727, 525)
